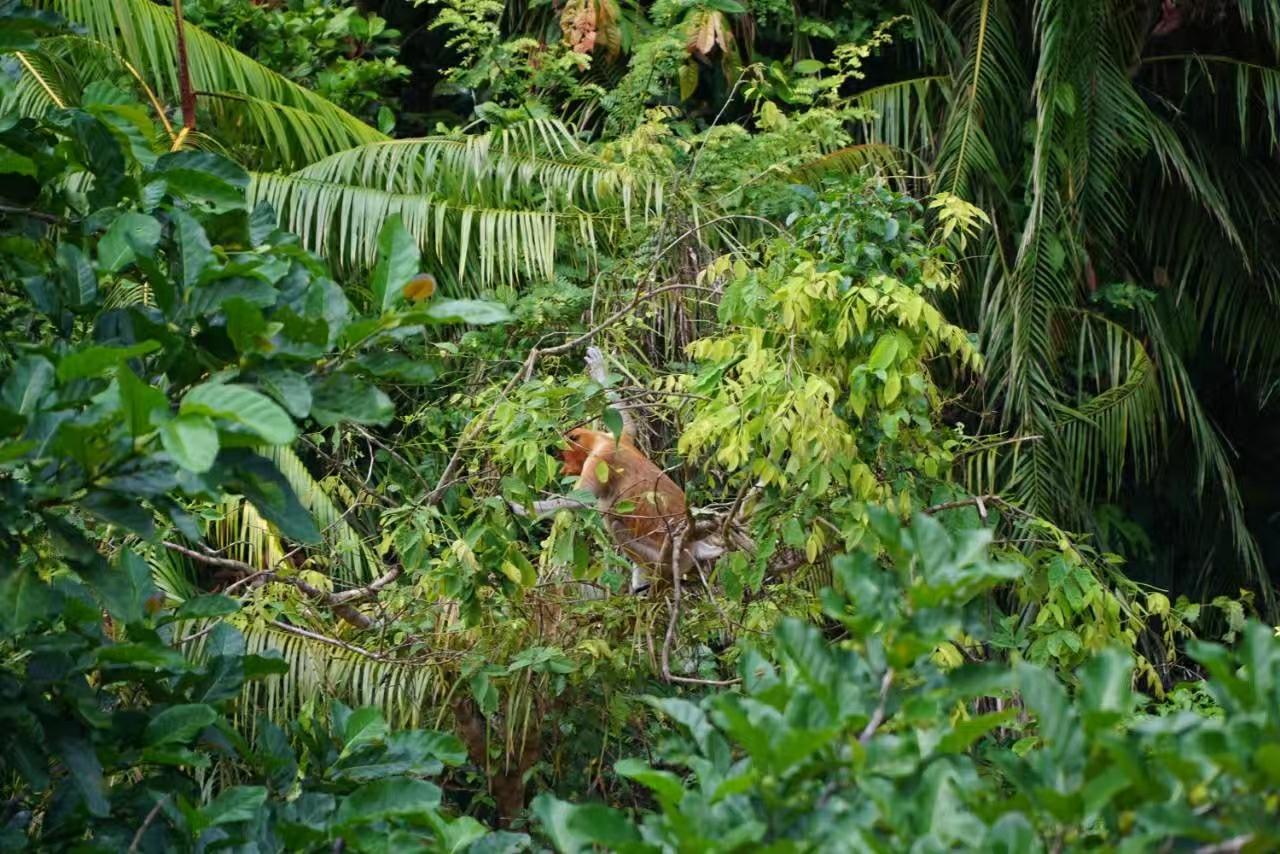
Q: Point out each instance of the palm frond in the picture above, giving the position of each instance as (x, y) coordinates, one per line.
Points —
(353, 560)
(144, 35)
(903, 114)
(987, 115)
(1212, 456)
(1118, 417)
(464, 244)
(489, 169)
(854, 159)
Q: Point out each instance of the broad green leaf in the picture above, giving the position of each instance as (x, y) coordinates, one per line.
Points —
(179, 724)
(79, 282)
(383, 799)
(613, 422)
(892, 388)
(144, 655)
(666, 786)
(98, 359)
(241, 803)
(573, 828)
(29, 380)
(290, 389)
(120, 510)
(130, 235)
(966, 732)
(242, 405)
(246, 327)
(24, 599)
(192, 253)
(365, 726)
(345, 398)
(883, 353)
(207, 180)
(13, 163)
(192, 441)
(207, 606)
(125, 588)
(472, 311)
(83, 768)
(258, 480)
(398, 261)
(398, 367)
(139, 401)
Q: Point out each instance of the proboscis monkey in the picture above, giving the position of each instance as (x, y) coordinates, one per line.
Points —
(644, 509)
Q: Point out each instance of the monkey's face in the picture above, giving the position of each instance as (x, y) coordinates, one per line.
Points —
(574, 456)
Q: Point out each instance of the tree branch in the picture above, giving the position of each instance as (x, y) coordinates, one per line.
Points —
(339, 603)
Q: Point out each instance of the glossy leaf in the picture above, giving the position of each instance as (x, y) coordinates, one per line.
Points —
(398, 261)
(179, 724)
(242, 405)
(192, 441)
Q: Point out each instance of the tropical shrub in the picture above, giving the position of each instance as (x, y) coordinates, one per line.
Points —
(161, 336)
(867, 745)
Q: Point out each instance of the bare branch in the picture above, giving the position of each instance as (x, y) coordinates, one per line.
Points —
(146, 822)
(877, 717)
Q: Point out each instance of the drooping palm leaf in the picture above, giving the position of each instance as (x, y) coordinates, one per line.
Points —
(144, 34)
(485, 209)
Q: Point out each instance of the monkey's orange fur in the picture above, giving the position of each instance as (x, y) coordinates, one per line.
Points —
(643, 507)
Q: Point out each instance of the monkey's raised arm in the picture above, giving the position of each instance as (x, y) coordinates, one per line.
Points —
(597, 370)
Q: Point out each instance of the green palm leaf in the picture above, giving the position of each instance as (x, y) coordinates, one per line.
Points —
(144, 35)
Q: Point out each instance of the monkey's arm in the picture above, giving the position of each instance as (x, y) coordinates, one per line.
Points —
(597, 371)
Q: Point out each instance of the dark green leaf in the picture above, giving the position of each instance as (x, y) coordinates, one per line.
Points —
(344, 398)
(382, 799)
(192, 441)
(24, 599)
(139, 401)
(84, 769)
(613, 422)
(242, 405)
(398, 262)
(205, 607)
(245, 325)
(122, 511)
(192, 253)
(179, 724)
(144, 655)
(30, 379)
(132, 234)
(205, 179)
(290, 389)
(240, 803)
(398, 367)
(96, 360)
(79, 282)
(258, 480)
(573, 828)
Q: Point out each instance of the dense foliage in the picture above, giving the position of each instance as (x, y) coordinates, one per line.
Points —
(925, 305)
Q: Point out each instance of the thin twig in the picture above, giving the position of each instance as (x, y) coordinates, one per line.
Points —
(53, 219)
(395, 455)
(146, 822)
(340, 603)
(877, 717)
(977, 501)
(1229, 846)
